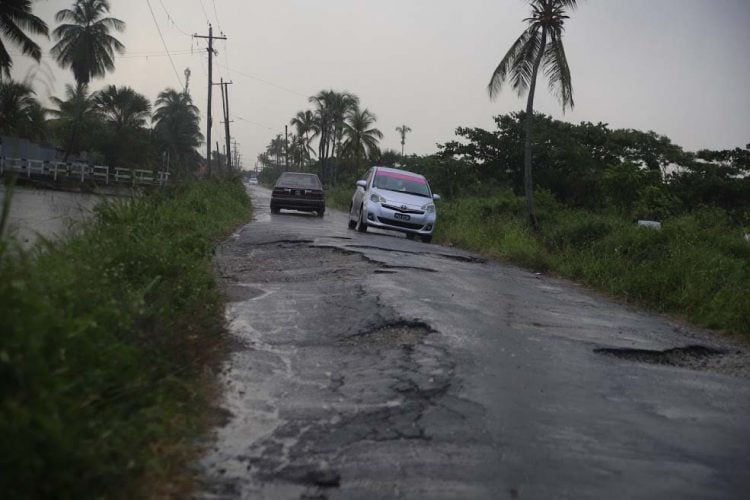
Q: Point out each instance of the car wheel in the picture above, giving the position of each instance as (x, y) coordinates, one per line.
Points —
(361, 224)
(427, 239)
(321, 213)
(352, 223)
(275, 210)
(409, 236)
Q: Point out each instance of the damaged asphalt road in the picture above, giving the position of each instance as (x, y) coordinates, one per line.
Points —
(370, 366)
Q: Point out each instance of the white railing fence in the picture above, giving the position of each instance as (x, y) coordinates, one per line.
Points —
(81, 172)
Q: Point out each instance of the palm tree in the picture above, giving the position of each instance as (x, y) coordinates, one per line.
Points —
(331, 112)
(305, 124)
(76, 108)
(540, 45)
(307, 130)
(15, 19)
(84, 42)
(123, 107)
(276, 149)
(402, 131)
(177, 125)
(361, 137)
(20, 113)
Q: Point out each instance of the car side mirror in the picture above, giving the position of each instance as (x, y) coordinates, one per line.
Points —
(362, 184)
(436, 197)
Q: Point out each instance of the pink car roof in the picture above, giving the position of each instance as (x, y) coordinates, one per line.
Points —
(402, 176)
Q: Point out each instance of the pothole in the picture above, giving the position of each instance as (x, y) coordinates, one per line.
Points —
(393, 335)
(694, 356)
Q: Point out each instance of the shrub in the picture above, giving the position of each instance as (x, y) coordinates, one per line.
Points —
(105, 340)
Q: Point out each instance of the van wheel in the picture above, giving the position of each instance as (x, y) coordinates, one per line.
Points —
(275, 210)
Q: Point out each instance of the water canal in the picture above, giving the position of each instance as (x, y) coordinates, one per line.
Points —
(44, 214)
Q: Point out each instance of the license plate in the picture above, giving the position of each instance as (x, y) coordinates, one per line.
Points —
(402, 217)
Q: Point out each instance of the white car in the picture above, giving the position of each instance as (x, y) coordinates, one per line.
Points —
(394, 199)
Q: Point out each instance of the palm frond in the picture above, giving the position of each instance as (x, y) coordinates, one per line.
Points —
(508, 62)
(557, 70)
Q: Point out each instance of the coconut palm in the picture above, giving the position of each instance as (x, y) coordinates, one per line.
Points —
(307, 130)
(177, 125)
(361, 138)
(305, 124)
(402, 131)
(123, 107)
(84, 42)
(76, 108)
(331, 111)
(21, 114)
(539, 46)
(15, 20)
(276, 150)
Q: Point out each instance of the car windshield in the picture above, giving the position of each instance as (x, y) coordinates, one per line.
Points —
(309, 181)
(402, 183)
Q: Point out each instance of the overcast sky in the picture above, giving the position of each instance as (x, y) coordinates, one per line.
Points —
(678, 67)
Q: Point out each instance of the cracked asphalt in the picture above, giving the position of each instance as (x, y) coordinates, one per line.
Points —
(369, 366)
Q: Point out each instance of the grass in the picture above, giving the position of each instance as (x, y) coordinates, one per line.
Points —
(106, 341)
(339, 197)
(697, 267)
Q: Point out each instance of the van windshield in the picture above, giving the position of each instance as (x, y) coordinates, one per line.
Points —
(402, 183)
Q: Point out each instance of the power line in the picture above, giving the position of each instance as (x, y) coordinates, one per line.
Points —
(171, 20)
(128, 55)
(271, 84)
(236, 117)
(216, 15)
(205, 14)
(156, 23)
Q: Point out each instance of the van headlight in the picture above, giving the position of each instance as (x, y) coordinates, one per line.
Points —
(376, 198)
(429, 208)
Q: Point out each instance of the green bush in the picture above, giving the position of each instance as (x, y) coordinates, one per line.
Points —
(105, 339)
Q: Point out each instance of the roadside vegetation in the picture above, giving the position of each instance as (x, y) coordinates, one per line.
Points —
(108, 347)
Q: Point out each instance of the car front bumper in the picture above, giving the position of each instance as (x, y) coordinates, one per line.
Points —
(382, 217)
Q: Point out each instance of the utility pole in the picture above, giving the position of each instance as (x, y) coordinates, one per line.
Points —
(286, 148)
(225, 102)
(209, 119)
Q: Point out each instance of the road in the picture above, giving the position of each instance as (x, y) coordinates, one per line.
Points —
(370, 366)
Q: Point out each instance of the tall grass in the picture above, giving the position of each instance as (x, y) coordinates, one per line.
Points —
(698, 266)
(105, 340)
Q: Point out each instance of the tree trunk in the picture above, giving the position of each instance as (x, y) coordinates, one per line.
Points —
(528, 181)
(76, 125)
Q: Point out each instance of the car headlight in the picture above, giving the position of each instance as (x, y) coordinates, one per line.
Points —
(429, 208)
(376, 198)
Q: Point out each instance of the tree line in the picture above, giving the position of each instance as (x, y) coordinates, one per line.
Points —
(123, 127)
(347, 140)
